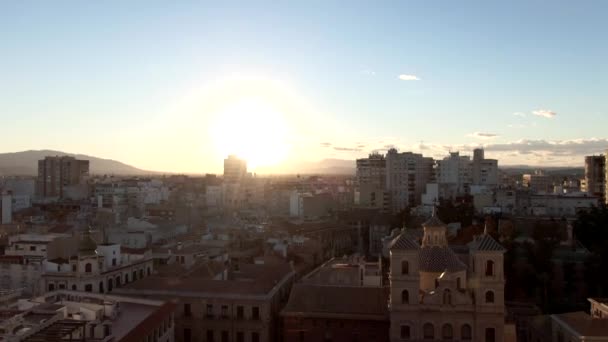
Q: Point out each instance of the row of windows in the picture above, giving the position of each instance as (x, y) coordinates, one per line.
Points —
(447, 297)
(447, 332)
(222, 336)
(110, 283)
(405, 267)
(224, 311)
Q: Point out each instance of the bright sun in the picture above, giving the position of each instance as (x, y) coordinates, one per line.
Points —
(252, 128)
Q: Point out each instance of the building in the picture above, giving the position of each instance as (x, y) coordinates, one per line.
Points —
(342, 300)
(595, 176)
(407, 174)
(485, 171)
(538, 181)
(580, 326)
(235, 169)
(454, 175)
(71, 315)
(436, 294)
(370, 182)
(98, 268)
(56, 173)
(241, 306)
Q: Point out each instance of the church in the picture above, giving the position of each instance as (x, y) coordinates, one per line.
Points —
(439, 294)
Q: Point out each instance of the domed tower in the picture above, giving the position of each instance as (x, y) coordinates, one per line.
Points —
(405, 286)
(488, 285)
(437, 258)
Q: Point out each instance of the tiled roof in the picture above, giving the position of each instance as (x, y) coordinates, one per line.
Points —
(311, 300)
(403, 242)
(148, 325)
(583, 323)
(485, 242)
(439, 259)
(434, 221)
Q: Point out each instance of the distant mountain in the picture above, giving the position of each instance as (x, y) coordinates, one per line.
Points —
(325, 166)
(26, 163)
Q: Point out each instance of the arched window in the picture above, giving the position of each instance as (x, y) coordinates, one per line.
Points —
(466, 332)
(134, 277)
(428, 331)
(405, 332)
(126, 278)
(110, 284)
(490, 297)
(405, 297)
(489, 268)
(405, 267)
(101, 287)
(117, 281)
(447, 297)
(141, 273)
(88, 268)
(447, 333)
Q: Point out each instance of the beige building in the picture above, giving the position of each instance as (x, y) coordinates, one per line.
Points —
(595, 176)
(407, 174)
(235, 169)
(241, 305)
(57, 173)
(439, 295)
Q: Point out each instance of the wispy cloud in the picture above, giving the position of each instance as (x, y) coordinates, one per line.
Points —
(521, 114)
(368, 72)
(325, 144)
(405, 77)
(544, 113)
(347, 149)
(482, 135)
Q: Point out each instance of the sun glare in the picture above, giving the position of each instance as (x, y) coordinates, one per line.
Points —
(253, 129)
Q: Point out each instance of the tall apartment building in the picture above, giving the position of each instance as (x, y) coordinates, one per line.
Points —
(55, 173)
(595, 176)
(454, 174)
(538, 181)
(407, 174)
(235, 169)
(370, 188)
(485, 171)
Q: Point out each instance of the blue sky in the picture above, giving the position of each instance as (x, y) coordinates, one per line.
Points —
(110, 78)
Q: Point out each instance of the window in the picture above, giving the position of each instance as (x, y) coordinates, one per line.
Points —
(240, 336)
(88, 268)
(465, 332)
(51, 287)
(458, 283)
(110, 284)
(255, 313)
(490, 335)
(101, 287)
(106, 330)
(446, 332)
(73, 267)
(255, 337)
(405, 297)
(489, 268)
(489, 297)
(149, 271)
(126, 278)
(209, 311)
(113, 261)
(405, 332)
(428, 331)
(134, 277)
(240, 312)
(32, 248)
(74, 287)
(225, 336)
(447, 297)
(224, 311)
(187, 310)
(209, 335)
(88, 288)
(187, 335)
(405, 267)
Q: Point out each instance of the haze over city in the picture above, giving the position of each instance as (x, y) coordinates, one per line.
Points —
(178, 87)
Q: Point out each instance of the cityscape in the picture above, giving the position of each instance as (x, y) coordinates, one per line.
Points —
(253, 171)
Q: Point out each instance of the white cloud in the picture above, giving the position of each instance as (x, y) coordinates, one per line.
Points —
(522, 114)
(482, 135)
(405, 77)
(544, 113)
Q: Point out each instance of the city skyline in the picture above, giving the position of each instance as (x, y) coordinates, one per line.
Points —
(179, 87)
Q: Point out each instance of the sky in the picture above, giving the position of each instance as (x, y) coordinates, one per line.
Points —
(176, 86)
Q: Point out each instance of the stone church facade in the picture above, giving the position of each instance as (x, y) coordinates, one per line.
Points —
(437, 294)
